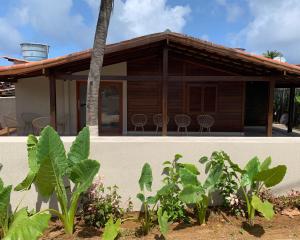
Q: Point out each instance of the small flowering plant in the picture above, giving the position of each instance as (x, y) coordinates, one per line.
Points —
(100, 204)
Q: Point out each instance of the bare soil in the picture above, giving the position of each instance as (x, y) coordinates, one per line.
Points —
(217, 227)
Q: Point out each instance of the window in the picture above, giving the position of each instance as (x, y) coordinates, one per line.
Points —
(201, 98)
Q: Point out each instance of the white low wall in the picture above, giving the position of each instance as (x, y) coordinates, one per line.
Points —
(122, 158)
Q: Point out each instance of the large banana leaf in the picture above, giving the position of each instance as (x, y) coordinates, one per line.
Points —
(187, 177)
(111, 230)
(251, 170)
(83, 173)
(265, 208)
(191, 194)
(272, 176)
(52, 160)
(25, 227)
(32, 162)
(80, 148)
(213, 177)
(146, 178)
(266, 164)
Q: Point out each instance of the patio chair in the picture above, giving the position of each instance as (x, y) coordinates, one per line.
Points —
(158, 121)
(27, 118)
(205, 122)
(182, 121)
(139, 121)
(39, 123)
(11, 125)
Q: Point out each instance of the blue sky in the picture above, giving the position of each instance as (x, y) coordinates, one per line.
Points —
(68, 25)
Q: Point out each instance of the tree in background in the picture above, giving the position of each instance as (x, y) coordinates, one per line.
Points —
(93, 86)
(272, 54)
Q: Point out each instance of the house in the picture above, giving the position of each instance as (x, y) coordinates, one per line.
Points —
(163, 73)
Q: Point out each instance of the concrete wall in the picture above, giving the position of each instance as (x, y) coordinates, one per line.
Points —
(122, 158)
(32, 95)
(7, 108)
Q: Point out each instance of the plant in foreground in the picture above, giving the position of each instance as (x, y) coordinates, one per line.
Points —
(49, 167)
(149, 202)
(111, 230)
(168, 195)
(163, 221)
(194, 192)
(19, 224)
(227, 184)
(99, 204)
(254, 177)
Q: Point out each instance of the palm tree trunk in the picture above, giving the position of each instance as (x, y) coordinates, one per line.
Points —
(96, 66)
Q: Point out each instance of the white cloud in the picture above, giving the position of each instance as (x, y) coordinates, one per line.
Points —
(233, 11)
(275, 26)
(133, 18)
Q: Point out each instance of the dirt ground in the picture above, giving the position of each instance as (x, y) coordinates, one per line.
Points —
(281, 227)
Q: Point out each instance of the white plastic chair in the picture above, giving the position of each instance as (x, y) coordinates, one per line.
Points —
(205, 121)
(158, 121)
(27, 118)
(182, 121)
(139, 121)
(11, 124)
(39, 123)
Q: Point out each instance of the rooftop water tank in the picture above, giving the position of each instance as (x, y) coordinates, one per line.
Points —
(34, 51)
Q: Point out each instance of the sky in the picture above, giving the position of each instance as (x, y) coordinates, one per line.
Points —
(69, 25)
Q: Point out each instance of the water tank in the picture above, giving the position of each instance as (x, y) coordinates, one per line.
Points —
(34, 51)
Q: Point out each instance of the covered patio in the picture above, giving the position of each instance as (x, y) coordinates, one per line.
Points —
(160, 84)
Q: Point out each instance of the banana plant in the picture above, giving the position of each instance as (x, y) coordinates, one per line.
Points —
(19, 224)
(254, 177)
(193, 192)
(145, 183)
(163, 221)
(49, 166)
(111, 230)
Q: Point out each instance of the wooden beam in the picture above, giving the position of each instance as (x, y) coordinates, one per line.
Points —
(291, 109)
(270, 108)
(165, 91)
(173, 78)
(52, 87)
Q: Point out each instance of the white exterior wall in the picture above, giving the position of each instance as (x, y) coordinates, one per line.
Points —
(32, 95)
(122, 158)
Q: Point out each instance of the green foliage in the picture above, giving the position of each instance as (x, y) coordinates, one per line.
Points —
(257, 175)
(49, 166)
(19, 224)
(227, 183)
(168, 195)
(163, 221)
(145, 183)
(100, 204)
(111, 230)
(272, 54)
(194, 192)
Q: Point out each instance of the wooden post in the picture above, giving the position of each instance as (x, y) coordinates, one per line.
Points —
(291, 109)
(270, 108)
(165, 91)
(52, 87)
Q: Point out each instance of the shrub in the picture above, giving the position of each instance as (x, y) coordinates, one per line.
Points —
(100, 205)
(49, 167)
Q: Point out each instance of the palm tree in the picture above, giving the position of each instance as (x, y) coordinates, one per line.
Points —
(96, 66)
(272, 54)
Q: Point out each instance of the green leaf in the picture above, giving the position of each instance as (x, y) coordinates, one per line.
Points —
(265, 208)
(151, 200)
(52, 160)
(177, 157)
(111, 230)
(167, 163)
(272, 176)
(266, 164)
(4, 201)
(251, 170)
(203, 159)
(141, 197)
(191, 167)
(213, 177)
(32, 162)
(146, 177)
(165, 190)
(191, 194)
(83, 173)
(207, 167)
(80, 148)
(187, 177)
(25, 227)
(163, 221)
